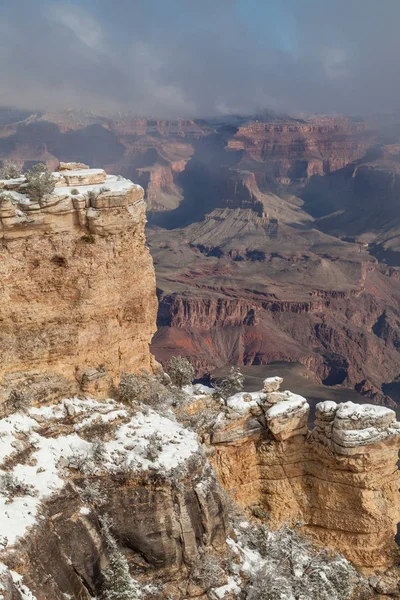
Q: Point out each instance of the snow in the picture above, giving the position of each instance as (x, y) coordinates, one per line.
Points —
(17, 579)
(115, 183)
(231, 586)
(198, 389)
(46, 468)
(352, 438)
(328, 407)
(349, 410)
(25, 593)
(240, 405)
(294, 402)
(275, 379)
(18, 197)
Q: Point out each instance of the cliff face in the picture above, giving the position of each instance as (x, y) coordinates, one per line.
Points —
(300, 149)
(344, 336)
(78, 285)
(85, 467)
(341, 481)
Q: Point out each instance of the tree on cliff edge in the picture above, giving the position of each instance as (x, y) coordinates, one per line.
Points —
(40, 182)
(228, 385)
(181, 371)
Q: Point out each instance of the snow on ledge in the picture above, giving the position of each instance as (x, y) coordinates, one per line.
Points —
(48, 466)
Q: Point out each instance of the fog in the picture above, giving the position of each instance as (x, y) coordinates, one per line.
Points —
(180, 58)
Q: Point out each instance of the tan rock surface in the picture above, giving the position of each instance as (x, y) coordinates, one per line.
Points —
(341, 483)
(77, 284)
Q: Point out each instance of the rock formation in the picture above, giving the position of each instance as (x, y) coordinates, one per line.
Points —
(81, 461)
(77, 298)
(341, 480)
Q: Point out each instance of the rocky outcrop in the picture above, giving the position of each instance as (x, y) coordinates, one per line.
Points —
(163, 508)
(78, 285)
(341, 481)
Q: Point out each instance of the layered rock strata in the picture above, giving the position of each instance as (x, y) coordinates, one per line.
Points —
(340, 480)
(77, 292)
(66, 468)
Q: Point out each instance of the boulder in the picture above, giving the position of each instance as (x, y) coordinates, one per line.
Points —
(288, 418)
(272, 384)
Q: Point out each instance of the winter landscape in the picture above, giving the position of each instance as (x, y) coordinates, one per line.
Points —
(199, 300)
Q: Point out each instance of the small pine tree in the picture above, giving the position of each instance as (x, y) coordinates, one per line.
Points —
(231, 383)
(117, 583)
(40, 182)
(180, 370)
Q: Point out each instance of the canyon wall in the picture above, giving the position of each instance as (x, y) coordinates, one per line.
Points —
(341, 480)
(77, 292)
(298, 149)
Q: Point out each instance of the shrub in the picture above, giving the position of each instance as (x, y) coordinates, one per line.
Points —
(180, 370)
(92, 195)
(231, 383)
(10, 170)
(75, 191)
(98, 451)
(88, 238)
(154, 447)
(11, 486)
(40, 182)
(294, 568)
(4, 197)
(145, 388)
(207, 571)
(18, 400)
(93, 493)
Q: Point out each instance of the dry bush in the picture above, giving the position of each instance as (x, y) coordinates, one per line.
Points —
(228, 385)
(207, 571)
(40, 182)
(10, 170)
(11, 486)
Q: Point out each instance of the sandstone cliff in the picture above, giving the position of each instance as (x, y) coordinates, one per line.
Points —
(341, 481)
(77, 293)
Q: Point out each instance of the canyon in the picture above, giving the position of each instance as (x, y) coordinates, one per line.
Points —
(176, 493)
(273, 238)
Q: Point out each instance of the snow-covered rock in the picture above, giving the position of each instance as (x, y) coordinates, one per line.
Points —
(272, 384)
(288, 417)
(348, 428)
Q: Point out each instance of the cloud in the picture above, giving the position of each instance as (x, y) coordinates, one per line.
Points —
(182, 58)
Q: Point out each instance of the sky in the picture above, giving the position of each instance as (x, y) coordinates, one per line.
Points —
(186, 58)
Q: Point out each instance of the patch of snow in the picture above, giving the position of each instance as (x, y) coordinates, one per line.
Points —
(198, 389)
(25, 593)
(113, 182)
(60, 174)
(349, 410)
(293, 403)
(45, 469)
(231, 586)
(240, 405)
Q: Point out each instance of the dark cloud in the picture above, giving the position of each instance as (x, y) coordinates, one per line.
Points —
(187, 58)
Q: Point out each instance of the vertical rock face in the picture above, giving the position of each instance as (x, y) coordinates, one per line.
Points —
(77, 291)
(341, 480)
